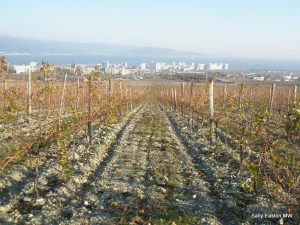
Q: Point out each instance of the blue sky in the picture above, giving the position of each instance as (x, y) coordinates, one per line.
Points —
(249, 28)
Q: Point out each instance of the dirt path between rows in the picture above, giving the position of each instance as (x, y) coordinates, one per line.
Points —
(145, 173)
(149, 178)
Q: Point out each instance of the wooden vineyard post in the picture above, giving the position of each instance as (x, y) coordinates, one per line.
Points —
(172, 98)
(170, 95)
(182, 89)
(175, 99)
(77, 110)
(295, 93)
(211, 110)
(61, 105)
(126, 97)
(288, 101)
(289, 105)
(89, 124)
(190, 103)
(224, 96)
(130, 98)
(271, 98)
(250, 99)
(241, 96)
(110, 90)
(77, 94)
(181, 97)
(29, 109)
(121, 89)
(191, 92)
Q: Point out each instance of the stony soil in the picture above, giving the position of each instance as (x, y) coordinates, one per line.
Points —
(151, 168)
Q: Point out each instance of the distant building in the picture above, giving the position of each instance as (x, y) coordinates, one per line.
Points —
(287, 78)
(259, 78)
(24, 68)
(21, 68)
(215, 66)
(125, 64)
(200, 66)
(189, 68)
(111, 70)
(143, 66)
(124, 72)
(156, 66)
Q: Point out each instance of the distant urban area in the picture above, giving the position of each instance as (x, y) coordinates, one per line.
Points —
(181, 70)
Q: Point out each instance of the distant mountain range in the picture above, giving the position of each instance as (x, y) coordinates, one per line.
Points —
(13, 45)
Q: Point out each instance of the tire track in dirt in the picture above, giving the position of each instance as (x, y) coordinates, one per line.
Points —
(121, 175)
(225, 208)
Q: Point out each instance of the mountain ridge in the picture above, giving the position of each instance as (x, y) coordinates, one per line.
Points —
(14, 45)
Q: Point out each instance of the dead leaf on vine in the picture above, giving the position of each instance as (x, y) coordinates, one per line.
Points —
(200, 174)
(119, 173)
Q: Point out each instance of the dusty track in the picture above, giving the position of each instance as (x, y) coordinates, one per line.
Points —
(149, 178)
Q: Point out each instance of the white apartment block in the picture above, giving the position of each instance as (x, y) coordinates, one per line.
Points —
(200, 66)
(143, 66)
(111, 70)
(124, 72)
(287, 78)
(24, 68)
(217, 66)
(156, 66)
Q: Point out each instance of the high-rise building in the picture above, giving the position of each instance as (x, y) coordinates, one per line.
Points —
(125, 64)
(156, 66)
(225, 66)
(143, 66)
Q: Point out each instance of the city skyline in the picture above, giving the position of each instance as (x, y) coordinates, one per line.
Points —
(262, 29)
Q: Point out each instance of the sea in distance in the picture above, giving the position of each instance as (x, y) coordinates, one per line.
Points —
(234, 63)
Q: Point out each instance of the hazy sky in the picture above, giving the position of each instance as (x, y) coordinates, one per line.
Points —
(252, 28)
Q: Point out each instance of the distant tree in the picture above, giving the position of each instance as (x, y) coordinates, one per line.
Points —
(78, 70)
(3, 67)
